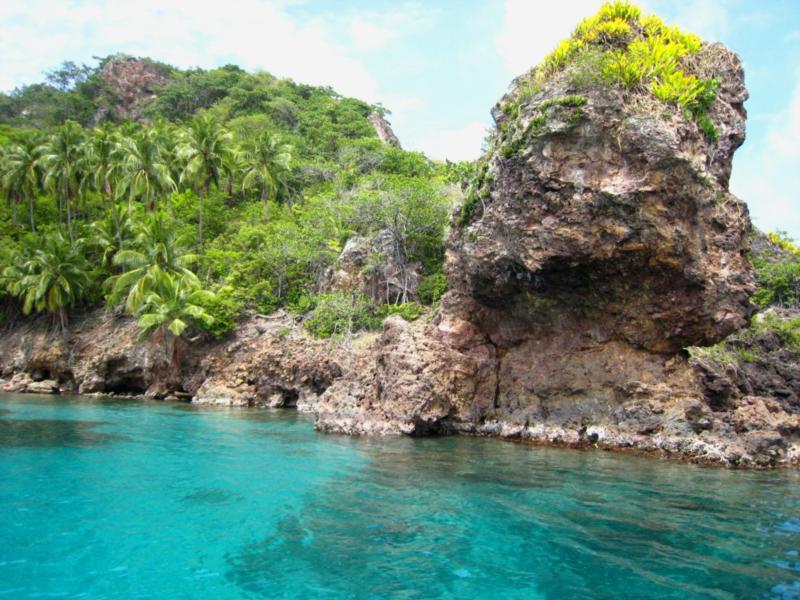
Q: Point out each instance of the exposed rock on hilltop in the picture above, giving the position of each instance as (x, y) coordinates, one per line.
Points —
(599, 240)
(132, 82)
(383, 129)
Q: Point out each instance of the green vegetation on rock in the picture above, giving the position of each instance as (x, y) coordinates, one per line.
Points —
(778, 274)
(621, 46)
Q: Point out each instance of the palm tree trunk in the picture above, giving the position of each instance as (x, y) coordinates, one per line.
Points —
(62, 319)
(14, 216)
(69, 221)
(30, 213)
(200, 218)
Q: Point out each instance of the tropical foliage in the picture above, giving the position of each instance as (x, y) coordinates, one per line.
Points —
(621, 46)
(236, 192)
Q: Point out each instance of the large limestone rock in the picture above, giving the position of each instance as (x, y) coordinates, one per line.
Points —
(603, 242)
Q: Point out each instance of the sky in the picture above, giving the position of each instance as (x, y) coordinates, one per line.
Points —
(439, 66)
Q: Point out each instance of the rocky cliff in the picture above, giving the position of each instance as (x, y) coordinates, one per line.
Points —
(599, 241)
(267, 361)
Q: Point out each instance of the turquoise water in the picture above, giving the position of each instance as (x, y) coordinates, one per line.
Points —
(114, 499)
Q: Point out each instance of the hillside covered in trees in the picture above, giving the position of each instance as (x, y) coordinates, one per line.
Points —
(189, 197)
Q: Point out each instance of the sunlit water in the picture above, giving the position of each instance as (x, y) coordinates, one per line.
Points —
(114, 499)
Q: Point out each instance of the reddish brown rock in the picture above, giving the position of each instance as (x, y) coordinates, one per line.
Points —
(603, 244)
(133, 82)
(265, 362)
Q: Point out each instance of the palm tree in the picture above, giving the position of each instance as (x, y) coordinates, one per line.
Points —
(62, 158)
(145, 172)
(174, 303)
(54, 277)
(206, 146)
(21, 176)
(154, 249)
(110, 234)
(169, 140)
(267, 161)
(232, 168)
(103, 161)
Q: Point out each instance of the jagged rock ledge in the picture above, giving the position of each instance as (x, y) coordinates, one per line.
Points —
(268, 361)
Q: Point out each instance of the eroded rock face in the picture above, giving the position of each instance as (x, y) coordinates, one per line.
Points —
(132, 82)
(265, 362)
(383, 129)
(370, 266)
(604, 242)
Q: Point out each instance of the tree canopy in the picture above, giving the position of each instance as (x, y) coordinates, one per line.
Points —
(229, 191)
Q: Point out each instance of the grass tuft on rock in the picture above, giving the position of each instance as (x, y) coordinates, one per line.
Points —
(623, 47)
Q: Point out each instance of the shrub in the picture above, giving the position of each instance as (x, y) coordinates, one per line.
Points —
(410, 311)
(638, 53)
(225, 310)
(778, 283)
(786, 330)
(780, 240)
(432, 287)
(338, 314)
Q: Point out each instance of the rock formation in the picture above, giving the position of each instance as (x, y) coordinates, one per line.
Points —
(370, 266)
(267, 361)
(602, 240)
(132, 82)
(383, 129)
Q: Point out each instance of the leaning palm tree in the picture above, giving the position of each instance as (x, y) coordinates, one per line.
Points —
(206, 145)
(63, 161)
(55, 276)
(174, 303)
(21, 176)
(154, 249)
(267, 164)
(145, 171)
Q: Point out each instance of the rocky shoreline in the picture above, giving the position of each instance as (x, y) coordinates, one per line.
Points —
(273, 362)
(597, 247)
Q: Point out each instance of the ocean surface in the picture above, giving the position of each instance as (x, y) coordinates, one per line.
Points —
(123, 499)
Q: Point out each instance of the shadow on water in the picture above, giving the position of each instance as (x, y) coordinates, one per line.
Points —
(476, 518)
(52, 433)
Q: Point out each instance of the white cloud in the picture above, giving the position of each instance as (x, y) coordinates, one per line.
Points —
(255, 34)
(463, 143)
(530, 32)
(768, 178)
(370, 36)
